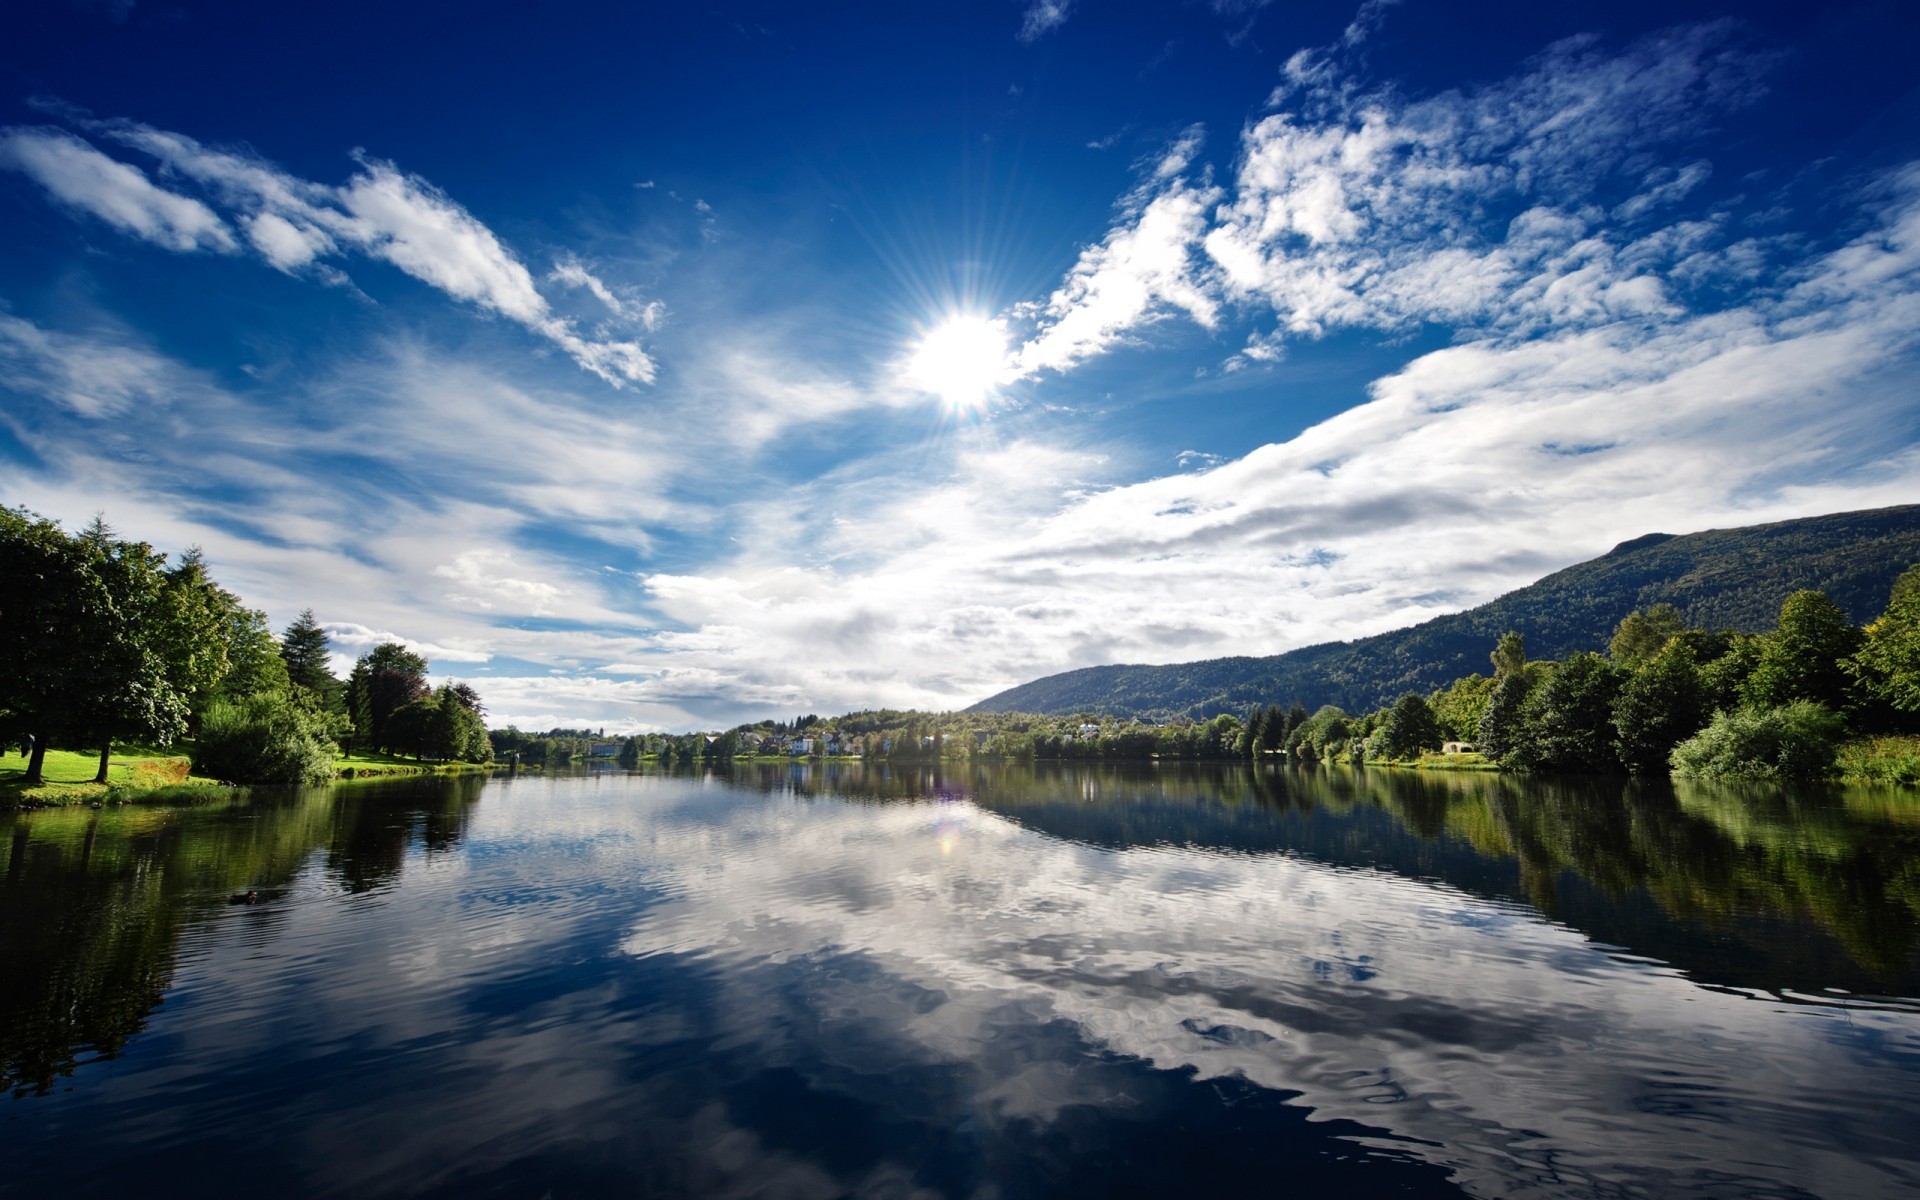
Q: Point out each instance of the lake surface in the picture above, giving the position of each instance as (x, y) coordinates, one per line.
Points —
(807, 981)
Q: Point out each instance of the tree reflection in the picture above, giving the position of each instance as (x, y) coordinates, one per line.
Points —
(95, 903)
(1744, 886)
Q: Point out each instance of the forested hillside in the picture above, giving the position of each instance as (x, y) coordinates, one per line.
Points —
(1720, 579)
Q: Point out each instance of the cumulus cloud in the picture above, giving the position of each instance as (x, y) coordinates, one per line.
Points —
(381, 211)
(82, 178)
(1358, 207)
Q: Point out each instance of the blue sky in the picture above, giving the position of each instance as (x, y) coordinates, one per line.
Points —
(663, 366)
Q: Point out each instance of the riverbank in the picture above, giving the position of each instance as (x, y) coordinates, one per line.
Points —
(67, 778)
(146, 776)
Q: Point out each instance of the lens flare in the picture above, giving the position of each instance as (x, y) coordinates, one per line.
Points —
(961, 360)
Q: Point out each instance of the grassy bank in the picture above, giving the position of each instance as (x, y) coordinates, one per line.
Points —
(67, 778)
(1892, 759)
(152, 776)
(374, 765)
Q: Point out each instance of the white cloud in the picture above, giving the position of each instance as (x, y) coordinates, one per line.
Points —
(1043, 17)
(381, 211)
(1362, 208)
(1472, 470)
(121, 195)
(1145, 268)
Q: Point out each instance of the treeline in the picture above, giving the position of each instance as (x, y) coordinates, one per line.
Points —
(1664, 698)
(106, 642)
(906, 736)
(554, 748)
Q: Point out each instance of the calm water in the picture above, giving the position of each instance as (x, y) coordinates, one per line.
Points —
(807, 982)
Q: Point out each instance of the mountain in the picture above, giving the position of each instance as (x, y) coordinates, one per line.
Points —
(1719, 579)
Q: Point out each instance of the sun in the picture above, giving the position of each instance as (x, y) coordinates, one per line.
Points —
(961, 360)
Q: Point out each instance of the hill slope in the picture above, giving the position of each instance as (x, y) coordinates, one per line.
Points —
(1720, 579)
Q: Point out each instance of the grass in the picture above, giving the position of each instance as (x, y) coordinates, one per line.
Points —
(1891, 759)
(368, 764)
(1470, 761)
(67, 778)
(157, 777)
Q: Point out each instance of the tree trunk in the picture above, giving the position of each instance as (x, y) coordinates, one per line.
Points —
(35, 762)
(101, 775)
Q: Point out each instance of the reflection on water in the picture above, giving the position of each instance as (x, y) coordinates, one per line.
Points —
(817, 981)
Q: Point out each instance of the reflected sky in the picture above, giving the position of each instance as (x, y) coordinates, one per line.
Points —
(998, 983)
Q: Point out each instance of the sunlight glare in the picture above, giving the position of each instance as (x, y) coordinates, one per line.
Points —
(961, 360)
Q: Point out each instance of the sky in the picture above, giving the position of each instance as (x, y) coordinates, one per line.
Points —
(663, 367)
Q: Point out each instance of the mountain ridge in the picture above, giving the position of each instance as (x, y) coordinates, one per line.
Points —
(1718, 578)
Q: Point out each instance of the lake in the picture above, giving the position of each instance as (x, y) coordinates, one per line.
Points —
(848, 980)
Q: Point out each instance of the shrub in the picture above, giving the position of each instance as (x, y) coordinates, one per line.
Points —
(1793, 741)
(263, 739)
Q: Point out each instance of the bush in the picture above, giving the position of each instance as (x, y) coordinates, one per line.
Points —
(1793, 741)
(263, 739)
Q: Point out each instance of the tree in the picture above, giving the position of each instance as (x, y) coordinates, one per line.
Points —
(304, 648)
(1566, 723)
(1660, 706)
(384, 678)
(85, 629)
(1408, 729)
(1640, 635)
(1459, 708)
(1509, 655)
(1886, 667)
(1803, 658)
(1500, 722)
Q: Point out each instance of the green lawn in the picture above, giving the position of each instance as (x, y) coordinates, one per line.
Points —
(67, 775)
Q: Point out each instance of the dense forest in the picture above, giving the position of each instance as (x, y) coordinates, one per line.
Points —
(1731, 579)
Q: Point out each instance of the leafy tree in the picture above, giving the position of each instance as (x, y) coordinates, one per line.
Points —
(254, 665)
(1794, 741)
(1314, 738)
(1408, 729)
(1640, 635)
(1459, 708)
(1660, 706)
(1803, 658)
(1886, 667)
(1723, 676)
(1509, 655)
(1567, 721)
(384, 678)
(1501, 723)
(264, 738)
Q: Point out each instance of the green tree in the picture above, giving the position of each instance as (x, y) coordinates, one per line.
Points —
(1886, 667)
(1659, 706)
(384, 679)
(1501, 723)
(1723, 676)
(1804, 657)
(1509, 655)
(1640, 635)
(1459, 707)
(1408, 729)
(1567, 720)
(304, 648)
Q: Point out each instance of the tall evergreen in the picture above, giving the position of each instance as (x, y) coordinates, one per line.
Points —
(304, 647)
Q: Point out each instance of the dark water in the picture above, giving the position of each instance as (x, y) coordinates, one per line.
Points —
(797, 982)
